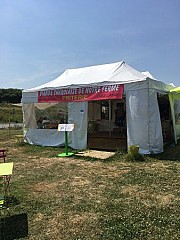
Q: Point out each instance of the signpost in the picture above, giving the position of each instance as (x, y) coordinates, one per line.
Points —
(66, 128)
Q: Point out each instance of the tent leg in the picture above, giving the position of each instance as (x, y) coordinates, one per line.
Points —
(66, 142)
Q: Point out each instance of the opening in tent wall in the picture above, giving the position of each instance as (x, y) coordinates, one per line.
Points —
(44, 115)
(41, 122)
(107, 124)
(175, 110)
(104, 115)
(177, 117)
(166, 118)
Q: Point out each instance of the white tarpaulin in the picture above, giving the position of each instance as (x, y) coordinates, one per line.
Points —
(78, 115)
(143, 121)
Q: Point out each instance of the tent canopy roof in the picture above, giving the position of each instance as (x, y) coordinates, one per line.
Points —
(112, 73)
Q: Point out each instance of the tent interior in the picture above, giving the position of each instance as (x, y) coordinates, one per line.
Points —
(166, 117)
(174, 98)
(107, 124)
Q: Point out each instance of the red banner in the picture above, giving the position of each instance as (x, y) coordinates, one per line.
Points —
(81, 94)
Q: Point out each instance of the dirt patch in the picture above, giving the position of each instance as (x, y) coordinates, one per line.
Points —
(84, 217)
(147, 198)
(44, 187)
(165, 199)
(78, 181)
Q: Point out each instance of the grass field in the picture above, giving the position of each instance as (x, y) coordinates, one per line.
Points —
(10, 112)
(80, 198)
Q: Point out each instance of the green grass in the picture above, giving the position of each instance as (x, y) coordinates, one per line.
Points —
(9, 112)
(88, 198)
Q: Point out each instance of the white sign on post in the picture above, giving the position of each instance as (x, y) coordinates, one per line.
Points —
(65, 127)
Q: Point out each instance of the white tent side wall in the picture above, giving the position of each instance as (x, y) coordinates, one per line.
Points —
(77, 114)
(137, 119)
(44, 137)
(155, 128)
(143, 119)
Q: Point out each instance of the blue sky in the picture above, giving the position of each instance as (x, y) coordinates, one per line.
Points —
(40, 39)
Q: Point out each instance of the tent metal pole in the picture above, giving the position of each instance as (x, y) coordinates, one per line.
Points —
(9, 118)
(149, 139)
(110, 117)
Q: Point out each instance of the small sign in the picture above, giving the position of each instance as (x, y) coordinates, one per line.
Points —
(65, 127)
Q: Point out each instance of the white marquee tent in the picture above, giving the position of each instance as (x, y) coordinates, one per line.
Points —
(75, 87)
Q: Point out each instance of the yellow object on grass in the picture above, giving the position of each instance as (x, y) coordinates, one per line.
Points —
(6, 168)
(133, 149)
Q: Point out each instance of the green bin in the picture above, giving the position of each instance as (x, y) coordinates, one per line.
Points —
(133, 149)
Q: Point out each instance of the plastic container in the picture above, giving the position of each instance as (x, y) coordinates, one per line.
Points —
(133, 149)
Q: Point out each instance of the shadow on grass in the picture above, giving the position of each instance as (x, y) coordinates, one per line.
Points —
(42, 151)
(171, 153)
(14, 227)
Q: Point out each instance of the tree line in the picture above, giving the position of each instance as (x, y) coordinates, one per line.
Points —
(11, 95)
